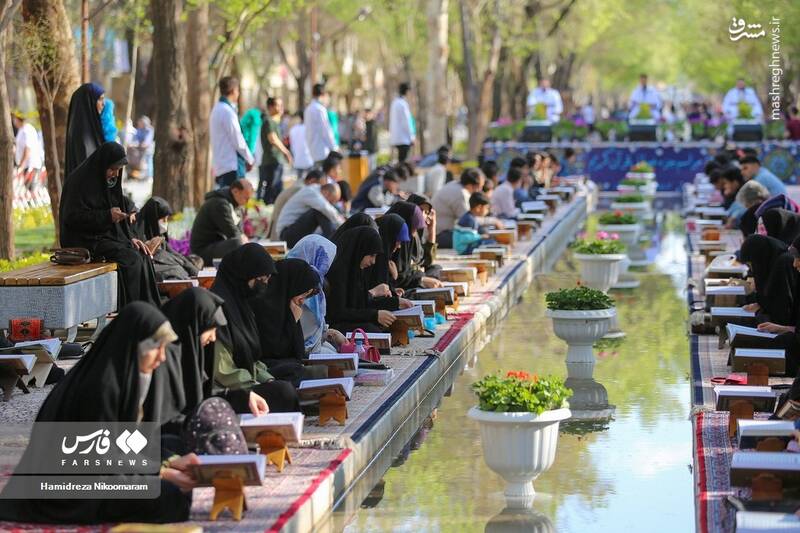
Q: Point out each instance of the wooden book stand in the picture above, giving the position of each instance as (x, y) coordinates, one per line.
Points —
(766, 487)
(273, 445)
(770, 444)
(399, 331)
(332, 405)
(228, 494)
(758, 374)
(10, 380)
(739, 409)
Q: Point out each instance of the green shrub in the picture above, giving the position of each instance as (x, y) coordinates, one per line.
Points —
(629, 199)
(580, 298)
(519, 392)
(14, 264)
(617, 217)
(598, 247)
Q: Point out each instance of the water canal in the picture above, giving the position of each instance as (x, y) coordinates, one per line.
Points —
(629, 473)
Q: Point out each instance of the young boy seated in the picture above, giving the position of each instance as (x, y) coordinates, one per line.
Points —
(468, 234)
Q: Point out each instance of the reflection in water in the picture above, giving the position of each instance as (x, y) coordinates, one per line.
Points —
(515, 520)
(589, 400)
(610, 475)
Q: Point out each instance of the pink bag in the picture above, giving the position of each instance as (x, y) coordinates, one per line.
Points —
(371, 353)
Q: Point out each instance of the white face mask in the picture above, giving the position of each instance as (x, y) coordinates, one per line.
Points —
(144, 386)
(162, 227)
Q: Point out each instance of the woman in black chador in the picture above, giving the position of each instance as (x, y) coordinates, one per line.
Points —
(96, 215)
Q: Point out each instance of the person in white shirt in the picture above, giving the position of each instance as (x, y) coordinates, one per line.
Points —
(644, 94)
(319, 134)
(230, 156)
(437, 174)
(587, 113)
(401, 124)
(502, 202)
(310, 210)
(741, 93)
(297, 144)
(28, 151)
(544, 94)
(452, 201)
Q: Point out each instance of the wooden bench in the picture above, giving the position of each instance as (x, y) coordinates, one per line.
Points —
(65, 296)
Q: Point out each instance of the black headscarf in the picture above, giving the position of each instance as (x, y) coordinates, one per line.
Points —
(355, 221)
(86, 201)
(346, 281)
(419, 200)
(84, 129)
(775, 278)
(147, 219)
(389, 227)
(280, 334)
(411, 254)
(237, 268)
(781, 224)
(749, 223)
(192, 312)
(104, 385)
(761, 252)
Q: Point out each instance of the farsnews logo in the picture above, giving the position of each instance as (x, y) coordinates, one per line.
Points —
(99, 442)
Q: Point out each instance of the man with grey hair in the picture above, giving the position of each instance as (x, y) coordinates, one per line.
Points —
(752, 193)
(311, 210)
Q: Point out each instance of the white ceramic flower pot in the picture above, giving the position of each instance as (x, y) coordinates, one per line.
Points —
(626, 280)
(640, 210)
(628, 233)
(599, 271)
(580, 330)
(519, 447)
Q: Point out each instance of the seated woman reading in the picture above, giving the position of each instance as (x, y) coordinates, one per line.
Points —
(278, 311)
(393, 232)
(783, 285)
(112, 383)
(415, 259)
(318, 252)
(151, 226)
(350, 300)
(96, 215)
(776, 281)
(239, 374)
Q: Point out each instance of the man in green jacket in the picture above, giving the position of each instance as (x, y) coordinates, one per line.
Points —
(217, 229)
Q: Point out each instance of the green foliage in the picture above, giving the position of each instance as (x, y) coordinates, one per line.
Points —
(775, 129)
(633, 182)
(617, 218)
(642, 167)
(629, 199)
(520, 392)
(579, 298)
(31, 218)
(598, 247)
(605, 127)
(34, 259)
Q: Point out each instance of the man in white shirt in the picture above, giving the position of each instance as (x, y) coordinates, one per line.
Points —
(741, 93)
(644, 94)
(231, 157)
(319, 134)
(28, 151)
(502, 201)
(297, 144)
(544, 94)
(452, 201)
(310, 210)
(401, 124)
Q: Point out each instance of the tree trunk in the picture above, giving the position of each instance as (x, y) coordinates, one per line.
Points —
(199, 98)
(145, 89)
(128, 117)
(53, 115)
(174, 155)
(6, 153)
(477, 93)
(436, 79)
